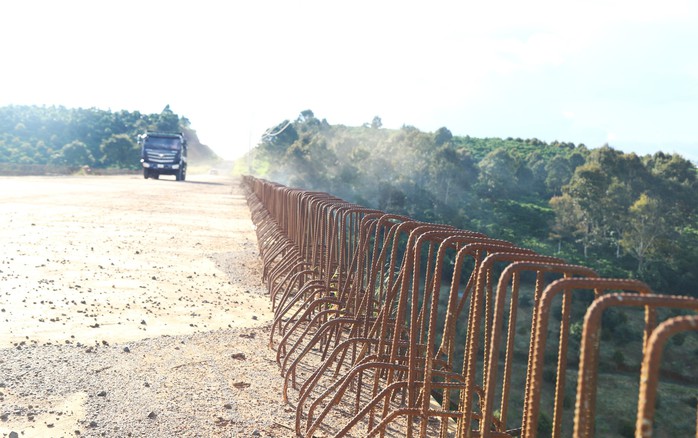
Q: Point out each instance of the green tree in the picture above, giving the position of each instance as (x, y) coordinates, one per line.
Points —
(618, 200)
(451, 170)
(569, 219)
(120, 151)
(676, 184)
(646, 227)
(75, 153)
(168, 121)
(44, 131)
(442, 135)
(534, 166)
(376, 123)
(497, 174)
(588, 188)
(278, 139)
(559, 174)
(305, 116)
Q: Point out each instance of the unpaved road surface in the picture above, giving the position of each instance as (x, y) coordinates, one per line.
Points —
(132, 307)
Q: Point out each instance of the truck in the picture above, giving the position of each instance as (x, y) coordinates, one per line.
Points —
(163, 153)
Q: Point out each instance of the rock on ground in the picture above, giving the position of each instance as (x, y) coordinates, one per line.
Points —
(122, 305)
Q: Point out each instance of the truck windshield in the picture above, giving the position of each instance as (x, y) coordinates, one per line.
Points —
(163, 143)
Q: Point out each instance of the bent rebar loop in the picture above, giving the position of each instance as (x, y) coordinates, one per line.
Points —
(386, 271)
(302, 264)
(373, 229)
(382, 287)
(468, 243)
(255, 205)
(426, 282)
(291, 276)
(566, 287)
(316, 307)
(259, 214)
(404, 359)
(342, 306)
(273, 197)
(299, 224)
(586, 383)
(422, 351)
(332, 260)
(287, 311)
(297, 210)
(314, 222)
(296, 275)
(344, 243)
(354, 298)
(394, 328)
(273, 239)
(412, 385)
(383, 273)
(485, 255)
(287, 241)
(389, 275)
(279, 256)
(273, 246)
(295, 231)
(261, 188)
(510, 279)
(651, 362)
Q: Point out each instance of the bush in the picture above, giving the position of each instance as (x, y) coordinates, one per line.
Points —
(545, 424)
(618, 358)
(678, 339)
(567, 402)
(549, 375)
(626, 428)
(624, 334)
(525, 301)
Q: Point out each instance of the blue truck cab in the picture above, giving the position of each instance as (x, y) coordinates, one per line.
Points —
(163, 153)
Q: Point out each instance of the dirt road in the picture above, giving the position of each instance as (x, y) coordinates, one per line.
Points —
(132, 307)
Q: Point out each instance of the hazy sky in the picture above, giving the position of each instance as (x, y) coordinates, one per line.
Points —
(593, 72)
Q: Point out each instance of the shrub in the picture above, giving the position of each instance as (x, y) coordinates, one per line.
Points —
(545, 424)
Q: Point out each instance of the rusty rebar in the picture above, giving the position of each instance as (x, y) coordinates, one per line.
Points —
(586, 382)
(362, 289)
(651, 362)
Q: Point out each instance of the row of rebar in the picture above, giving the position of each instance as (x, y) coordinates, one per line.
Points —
(384, 325)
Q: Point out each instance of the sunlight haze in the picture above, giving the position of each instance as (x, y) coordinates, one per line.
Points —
(618, 72)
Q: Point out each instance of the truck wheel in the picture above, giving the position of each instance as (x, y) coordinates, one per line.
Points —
(155, 176)
(146, 173)
(181, 174)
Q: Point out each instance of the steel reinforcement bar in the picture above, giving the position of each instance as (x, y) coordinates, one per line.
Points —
(388, 326)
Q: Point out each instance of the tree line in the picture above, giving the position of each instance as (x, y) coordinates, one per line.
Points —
(75, 137)
(622, 214)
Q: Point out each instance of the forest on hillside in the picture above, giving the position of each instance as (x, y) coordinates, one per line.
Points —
(74, 137)
(622, 214)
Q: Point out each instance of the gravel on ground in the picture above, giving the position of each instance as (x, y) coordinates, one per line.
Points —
(132, 307)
